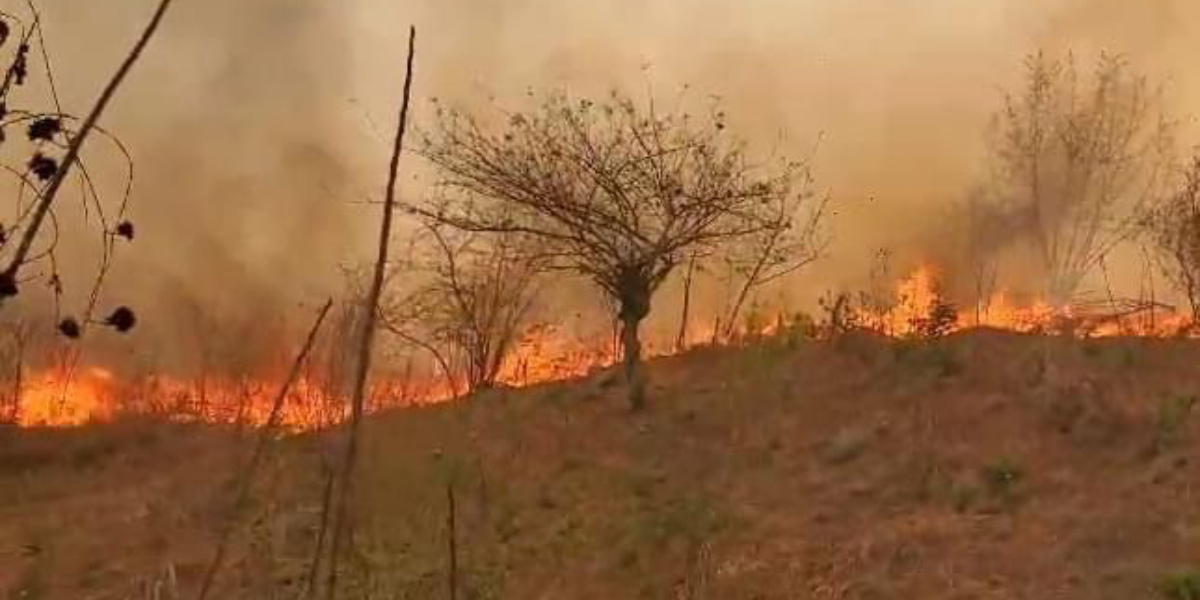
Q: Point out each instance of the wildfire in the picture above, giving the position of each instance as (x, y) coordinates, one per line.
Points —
(920, 307)
(61, 398)
(917, 306)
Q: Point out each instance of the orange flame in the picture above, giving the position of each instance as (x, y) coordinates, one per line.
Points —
(918, 299)
(60, 398)
(918, 306)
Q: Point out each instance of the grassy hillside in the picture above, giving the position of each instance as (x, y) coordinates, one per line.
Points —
(985, 465)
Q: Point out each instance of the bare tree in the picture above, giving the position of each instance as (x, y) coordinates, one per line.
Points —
(1174, 232)
(1075, 158)
(614, 191)
(472, 305)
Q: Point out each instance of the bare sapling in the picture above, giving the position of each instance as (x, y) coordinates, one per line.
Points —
(469, 303)
(1074, 161)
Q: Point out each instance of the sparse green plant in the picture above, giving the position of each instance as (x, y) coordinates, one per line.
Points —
(845, 446)
(1002, 478)
(1114, 354)
(964, 496)
(930, 356)
(1173, 415)
(692, 518)
(1182, 585)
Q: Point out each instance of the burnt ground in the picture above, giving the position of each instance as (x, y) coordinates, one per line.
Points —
(985, 465)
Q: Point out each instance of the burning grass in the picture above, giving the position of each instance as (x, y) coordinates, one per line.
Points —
(917, 308)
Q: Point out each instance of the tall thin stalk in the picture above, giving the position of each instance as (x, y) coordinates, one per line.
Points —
(367, 334)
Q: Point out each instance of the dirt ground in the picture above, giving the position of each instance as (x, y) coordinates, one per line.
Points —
(985, 465)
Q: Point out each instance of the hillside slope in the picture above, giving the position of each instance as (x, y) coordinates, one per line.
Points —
(985, 465)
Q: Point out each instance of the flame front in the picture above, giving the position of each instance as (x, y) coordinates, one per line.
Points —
(916, 307)
(59, 397)
(918, 300)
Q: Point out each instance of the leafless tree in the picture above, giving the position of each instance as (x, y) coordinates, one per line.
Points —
(615, 191)
(1075, 158)
(472, 305)
(1174, 232)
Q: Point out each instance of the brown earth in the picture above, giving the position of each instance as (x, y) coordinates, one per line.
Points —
(986, 465)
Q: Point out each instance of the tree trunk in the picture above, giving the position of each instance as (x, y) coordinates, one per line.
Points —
(635, 292)
(632, 351)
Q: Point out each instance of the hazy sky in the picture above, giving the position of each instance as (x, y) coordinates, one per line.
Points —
(258, 126)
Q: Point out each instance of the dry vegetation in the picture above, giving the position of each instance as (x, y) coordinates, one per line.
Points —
(973, 466)
(471, 299)
(1077, 159)
(1173, 227)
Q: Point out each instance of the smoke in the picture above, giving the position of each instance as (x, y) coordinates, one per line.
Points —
(899, 93)
(257, 125)
(237, 119)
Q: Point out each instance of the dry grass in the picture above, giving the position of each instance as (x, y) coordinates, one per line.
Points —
(981, 466)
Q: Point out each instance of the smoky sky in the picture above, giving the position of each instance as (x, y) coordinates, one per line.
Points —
(259, 127)
(894, 95)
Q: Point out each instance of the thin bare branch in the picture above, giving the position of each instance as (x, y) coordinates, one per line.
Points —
(8, 277)
(367, 334)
